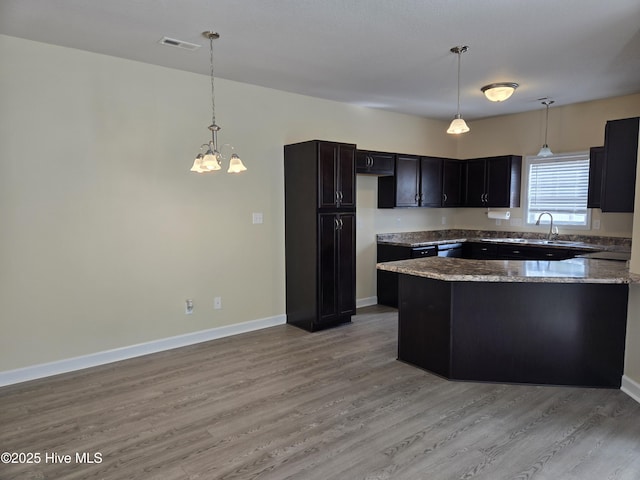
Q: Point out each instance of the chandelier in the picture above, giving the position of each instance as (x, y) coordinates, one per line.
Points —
(212, 158)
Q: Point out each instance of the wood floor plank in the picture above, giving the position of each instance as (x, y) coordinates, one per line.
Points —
(285, 404)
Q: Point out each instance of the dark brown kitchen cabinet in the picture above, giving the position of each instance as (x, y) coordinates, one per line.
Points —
(401, 190)
(387, 282)
(596, 164)
(430, 182)
(336, 175)
(417, 183)
(336, 260)
(375, 163)
(493, 181)
(452, 188)
(320, 225)
(619, 166)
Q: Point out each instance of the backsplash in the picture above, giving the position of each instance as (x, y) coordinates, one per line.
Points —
(459, 234)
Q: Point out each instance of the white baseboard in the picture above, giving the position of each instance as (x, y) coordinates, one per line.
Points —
(366, 302)
(631, 388)
(34, 372)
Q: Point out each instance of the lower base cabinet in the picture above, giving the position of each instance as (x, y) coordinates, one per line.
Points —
(387, 282)
(537, 333)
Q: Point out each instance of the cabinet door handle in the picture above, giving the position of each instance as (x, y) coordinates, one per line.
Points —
(416, 198)
(369, 161)
(341, 196)
(336, 223)
(341, 224)
(516, 251)
(444, 198)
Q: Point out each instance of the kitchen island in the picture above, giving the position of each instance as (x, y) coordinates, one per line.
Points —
(541, 322)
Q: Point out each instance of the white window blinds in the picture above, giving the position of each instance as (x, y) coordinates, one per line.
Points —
(559, 184)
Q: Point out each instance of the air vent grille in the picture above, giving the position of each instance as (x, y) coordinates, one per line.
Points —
(172, 42)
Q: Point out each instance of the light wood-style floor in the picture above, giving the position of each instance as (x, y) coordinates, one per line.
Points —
(282, 403)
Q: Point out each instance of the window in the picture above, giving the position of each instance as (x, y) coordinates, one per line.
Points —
(558, 184)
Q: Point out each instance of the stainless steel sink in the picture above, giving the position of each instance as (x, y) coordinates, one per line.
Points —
(564, 243)
(506, 240)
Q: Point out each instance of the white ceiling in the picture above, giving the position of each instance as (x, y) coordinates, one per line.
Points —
(390, 54)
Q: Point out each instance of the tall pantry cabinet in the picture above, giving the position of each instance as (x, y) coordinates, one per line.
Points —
(320, 233)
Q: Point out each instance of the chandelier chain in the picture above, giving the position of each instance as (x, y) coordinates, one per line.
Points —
(213, 101)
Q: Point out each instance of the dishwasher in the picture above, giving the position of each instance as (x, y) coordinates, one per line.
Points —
(450, 250)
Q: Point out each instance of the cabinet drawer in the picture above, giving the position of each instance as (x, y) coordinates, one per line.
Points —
(375, 163)
(515, 252)
(479, 251)
(420, 252)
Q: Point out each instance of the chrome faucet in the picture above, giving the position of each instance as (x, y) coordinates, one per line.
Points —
(550, 224)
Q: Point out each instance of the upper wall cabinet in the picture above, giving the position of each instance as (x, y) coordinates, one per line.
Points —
(336, 175)
(493, 181)
(403, 189)
(452, 182)
(619, 165)
(596, 164)
(418, 182)
(375, 163)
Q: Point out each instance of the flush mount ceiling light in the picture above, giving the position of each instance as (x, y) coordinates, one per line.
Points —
(212, 158)
(545, 151)
(458, 125)
(499, 92)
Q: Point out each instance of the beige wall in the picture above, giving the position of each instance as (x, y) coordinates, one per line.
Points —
(105, 233)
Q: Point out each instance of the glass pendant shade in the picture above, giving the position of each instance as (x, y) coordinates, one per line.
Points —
(197, 164)
(458, 126)
(545, 151)
(235, 164)
(499, 92)
(211, 161)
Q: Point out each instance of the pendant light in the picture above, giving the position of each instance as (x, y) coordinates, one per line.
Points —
(499, 92)
(545, 151)
(458, 125)
(212, 158)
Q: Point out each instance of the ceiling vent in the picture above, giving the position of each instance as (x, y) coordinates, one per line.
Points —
(172, 42)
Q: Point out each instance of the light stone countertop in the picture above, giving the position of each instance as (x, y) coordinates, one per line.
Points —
(437, 237)
(575, 270)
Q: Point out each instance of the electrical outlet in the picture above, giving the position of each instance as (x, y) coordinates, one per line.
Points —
(444, 220)
(217, 303)
(596, 224)
(516, 222)
(188, 306)
(257, 218)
